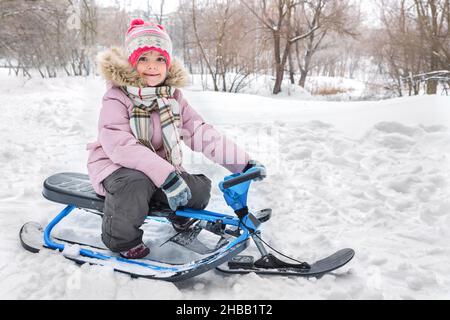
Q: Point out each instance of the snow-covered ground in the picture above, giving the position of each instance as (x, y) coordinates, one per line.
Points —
(373, 176)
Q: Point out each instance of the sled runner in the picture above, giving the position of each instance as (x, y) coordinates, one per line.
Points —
(231, 234)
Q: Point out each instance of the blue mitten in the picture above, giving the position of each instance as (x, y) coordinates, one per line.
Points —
(254, 163)
(176, 191)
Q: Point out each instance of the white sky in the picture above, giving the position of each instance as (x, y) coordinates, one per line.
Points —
(371, 9)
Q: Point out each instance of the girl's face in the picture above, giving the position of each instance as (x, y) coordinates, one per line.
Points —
(152, 67)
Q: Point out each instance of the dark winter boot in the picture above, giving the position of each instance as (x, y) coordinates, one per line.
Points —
(137, 252)
(179, 223)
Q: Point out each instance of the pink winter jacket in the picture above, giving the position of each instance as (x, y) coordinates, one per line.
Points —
(116, 145)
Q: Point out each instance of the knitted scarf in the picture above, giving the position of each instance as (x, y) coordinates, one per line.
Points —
(145, 101)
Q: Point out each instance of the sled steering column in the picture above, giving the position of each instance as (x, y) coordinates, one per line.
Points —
(235, 189)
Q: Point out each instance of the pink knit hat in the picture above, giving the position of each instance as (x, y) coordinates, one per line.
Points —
(145, 36)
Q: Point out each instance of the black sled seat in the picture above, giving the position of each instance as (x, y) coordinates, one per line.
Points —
(72, 188)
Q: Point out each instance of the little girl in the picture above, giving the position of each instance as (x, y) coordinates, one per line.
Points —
(136, 160)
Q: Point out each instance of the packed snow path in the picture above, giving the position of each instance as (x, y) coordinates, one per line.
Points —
(373, 176)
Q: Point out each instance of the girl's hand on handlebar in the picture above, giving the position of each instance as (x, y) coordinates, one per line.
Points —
(255, 163)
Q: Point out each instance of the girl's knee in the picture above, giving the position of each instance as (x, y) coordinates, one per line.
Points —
(199, 203)
(201, 194)
(125, 178)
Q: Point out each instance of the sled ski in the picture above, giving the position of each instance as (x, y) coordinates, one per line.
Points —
(233, 232)
(242, 264)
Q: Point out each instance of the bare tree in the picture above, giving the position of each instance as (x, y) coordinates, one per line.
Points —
(202, 47)
(433, 17)
(161, 12)
(37, 36)
(416, 41)
(112, 24)
(321, 18)
(85, 37)
(222, 36)
(276, 17)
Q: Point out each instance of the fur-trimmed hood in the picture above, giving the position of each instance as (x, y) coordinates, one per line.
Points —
(114, 67)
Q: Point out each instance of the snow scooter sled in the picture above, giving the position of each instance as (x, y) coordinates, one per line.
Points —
(231, 235)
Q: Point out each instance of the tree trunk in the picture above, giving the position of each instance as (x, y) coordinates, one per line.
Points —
(279, 74)
(279, 67)
(224, 82)
(305, 70)
(291, 68)
(434, 64)
(202, 50)
(432, 87)
(303, 75)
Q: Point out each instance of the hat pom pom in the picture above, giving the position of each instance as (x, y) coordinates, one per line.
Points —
(136, 22)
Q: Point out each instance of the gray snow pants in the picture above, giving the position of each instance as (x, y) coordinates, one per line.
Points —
(128, 196)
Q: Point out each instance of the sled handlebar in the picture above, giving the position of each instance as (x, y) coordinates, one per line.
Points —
(242, 178)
